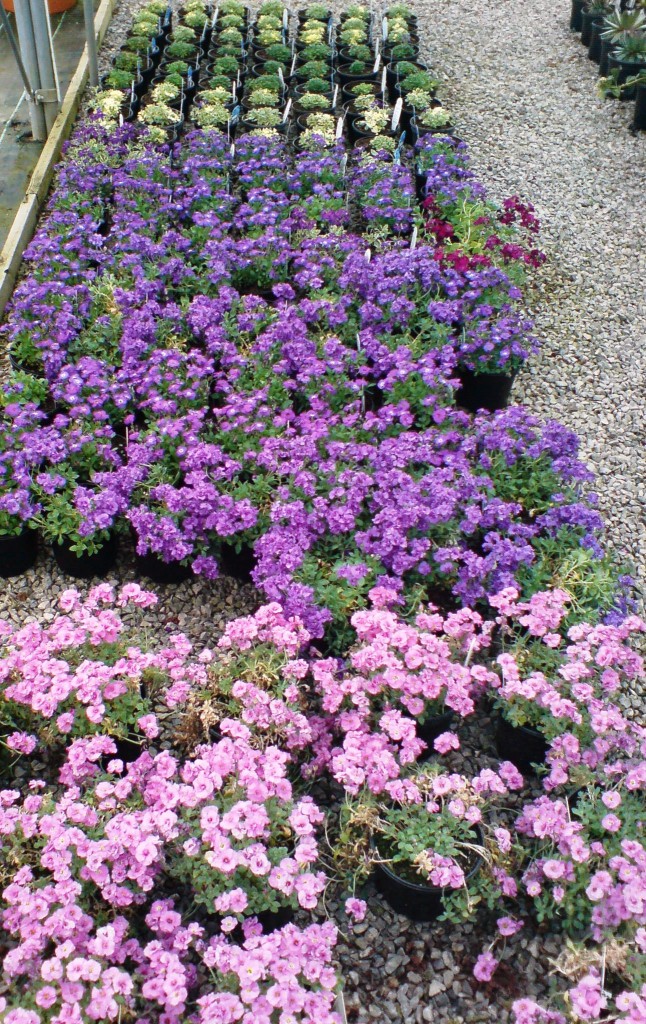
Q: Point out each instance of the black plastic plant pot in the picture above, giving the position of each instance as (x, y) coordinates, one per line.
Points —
(301, 89)
(347, 78)
(626, 69)
(489, 391)
(249, 126)
(639, 124)
(413, 900)
(391, 80)
(605, 46)
(420, 185)
(154, 568)
(258, 70)
(431, 728)
(237, 564)
(576, 15)
(586, 26)
(127, 751)
(594, 49)
(86, 567)
(129, 112)
(523, 746)
(349, 97)
(272, 920)
(18, 553)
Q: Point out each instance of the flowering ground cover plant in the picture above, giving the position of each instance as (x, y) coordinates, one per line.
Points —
(434, 831)
(84, 674)
(232, 342)
(255, 676)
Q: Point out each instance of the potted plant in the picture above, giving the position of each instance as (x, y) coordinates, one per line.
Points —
(18, 539)
(316, 126)
(629, 60)
(594, 10)
(319, 69)
(105, 682)
(547, 688)
(287, 953)
(246, 831)
(254, 676)
(439, 681)
(430, 121)
(431, 848)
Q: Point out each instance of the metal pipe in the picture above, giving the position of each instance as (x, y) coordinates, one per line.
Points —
(88, 12)
(13, 43)
(49, 96)
(29, 57)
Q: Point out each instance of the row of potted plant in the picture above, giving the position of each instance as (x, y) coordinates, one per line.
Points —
(615, 36)
(384, 195)
(201, 857)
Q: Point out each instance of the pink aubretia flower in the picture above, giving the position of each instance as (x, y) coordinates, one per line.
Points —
(148, 725)
(356, 909)
(508, 926)
(23, 742)
(446, 741)
(485, 966)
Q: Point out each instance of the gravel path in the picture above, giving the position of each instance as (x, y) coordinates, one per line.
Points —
(523, 94)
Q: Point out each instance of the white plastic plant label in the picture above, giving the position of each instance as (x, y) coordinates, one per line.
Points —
(397, 113)
(339, 128)
(288, 107)
(413, 238)
(335, 96)
(383, 80)
(384, 28)
(377, 63)
(339, 1006)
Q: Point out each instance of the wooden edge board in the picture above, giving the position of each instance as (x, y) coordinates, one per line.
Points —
(24, 224)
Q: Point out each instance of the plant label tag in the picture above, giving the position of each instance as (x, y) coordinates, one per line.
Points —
(377, 63)
(330, 30)
(235, 115)
(367, 254)
(384, 28)
(402, 139)
(121, 120)
(413, 238)
(335, 96)
(343, 163)
(293, 63)
(233, 91)
(397, 113)
(339, 1006)
(285, 19)
(232, 151)
(288, 107)
(281, 78)
(339, 128)
(383, 80)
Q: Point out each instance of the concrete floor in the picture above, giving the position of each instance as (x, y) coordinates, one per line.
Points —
(18, 151)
